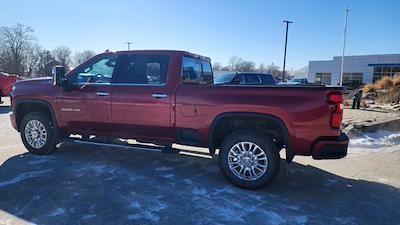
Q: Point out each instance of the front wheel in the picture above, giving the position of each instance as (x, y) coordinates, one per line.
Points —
(38, 133)
(249, 159)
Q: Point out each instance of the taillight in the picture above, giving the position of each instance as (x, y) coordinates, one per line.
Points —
(336, 115)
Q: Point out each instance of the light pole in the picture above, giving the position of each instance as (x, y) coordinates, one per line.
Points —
(344, 44)
(284, 56)
(129, 45)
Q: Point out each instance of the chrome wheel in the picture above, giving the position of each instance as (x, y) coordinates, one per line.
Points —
(35, 134)
(247, 161)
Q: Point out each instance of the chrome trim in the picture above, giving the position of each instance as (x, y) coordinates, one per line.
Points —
(122, 84)
(102, 93)
(159, 95)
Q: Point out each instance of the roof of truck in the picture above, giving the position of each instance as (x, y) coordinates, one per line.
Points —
(168, 52)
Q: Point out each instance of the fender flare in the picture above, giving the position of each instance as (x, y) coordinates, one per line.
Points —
(282, 126)
(35, 101)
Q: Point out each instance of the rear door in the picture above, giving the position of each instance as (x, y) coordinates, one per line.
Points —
(87, 106)
(252, 79)
(142, 102)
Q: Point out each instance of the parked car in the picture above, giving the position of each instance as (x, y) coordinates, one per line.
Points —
(166, 97)
(297, 81)
(6, 83)
(245, 79)
(300, 80)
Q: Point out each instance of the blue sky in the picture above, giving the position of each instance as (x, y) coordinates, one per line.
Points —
(219, 29)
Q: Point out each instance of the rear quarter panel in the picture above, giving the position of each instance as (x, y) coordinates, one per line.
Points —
(304, 111)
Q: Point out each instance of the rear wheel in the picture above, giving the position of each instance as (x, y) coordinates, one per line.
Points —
(249, 159)
(38, 133)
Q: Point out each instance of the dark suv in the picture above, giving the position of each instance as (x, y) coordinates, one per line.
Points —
(245, 79)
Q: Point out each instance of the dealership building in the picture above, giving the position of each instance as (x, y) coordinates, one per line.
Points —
(357, 69)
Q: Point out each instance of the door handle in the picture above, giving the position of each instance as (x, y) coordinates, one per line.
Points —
(159, 95)
(102, 93)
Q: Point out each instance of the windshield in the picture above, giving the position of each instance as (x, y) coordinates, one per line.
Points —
(223, 78)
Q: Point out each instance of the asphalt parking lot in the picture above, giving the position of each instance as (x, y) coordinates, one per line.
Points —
(103, 184)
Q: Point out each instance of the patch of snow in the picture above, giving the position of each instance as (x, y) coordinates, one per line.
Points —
(57, 212)
(169, 176)
(226, 190)
(275, 218)
(39, 161)
(202, 192)
(150, 214)
(301, 220)
(293, 207)
(331, 182)
(24, 176)
(135, 205)
(188, 181)
(229, 214)
(163, 168)
(88, 216)
(379, 139)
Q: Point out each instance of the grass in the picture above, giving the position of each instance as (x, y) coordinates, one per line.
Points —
(384, 83)
(396, 80)
(387, 89)
(369, 88)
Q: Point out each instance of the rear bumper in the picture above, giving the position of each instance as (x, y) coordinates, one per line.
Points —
(331, 147)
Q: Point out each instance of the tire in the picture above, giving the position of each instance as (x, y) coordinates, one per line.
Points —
(35, 124)
(262, 146)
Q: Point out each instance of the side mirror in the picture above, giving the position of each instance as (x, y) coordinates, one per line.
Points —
(58, 73)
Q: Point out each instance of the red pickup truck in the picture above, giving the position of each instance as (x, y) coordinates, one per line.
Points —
(166, 97)
(6, 83)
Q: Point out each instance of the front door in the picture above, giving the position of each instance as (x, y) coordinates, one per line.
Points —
(142, 100)
(86, 107)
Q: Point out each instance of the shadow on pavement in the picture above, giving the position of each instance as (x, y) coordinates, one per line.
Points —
(84, 184)
(4, 109)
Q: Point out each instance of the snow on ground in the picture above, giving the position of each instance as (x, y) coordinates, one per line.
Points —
(378, 141)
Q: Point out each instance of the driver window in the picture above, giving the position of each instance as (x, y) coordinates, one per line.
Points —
(97, 72)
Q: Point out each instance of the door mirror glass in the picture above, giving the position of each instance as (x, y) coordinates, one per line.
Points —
(58, 73)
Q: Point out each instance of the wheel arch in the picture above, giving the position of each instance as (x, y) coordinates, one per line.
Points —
(281, 128)
(22, 107)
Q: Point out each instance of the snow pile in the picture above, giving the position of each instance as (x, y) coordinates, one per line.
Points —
(379, 139)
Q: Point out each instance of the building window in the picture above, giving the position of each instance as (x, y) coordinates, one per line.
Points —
(352, 78)
(385, 71)
(323, 78)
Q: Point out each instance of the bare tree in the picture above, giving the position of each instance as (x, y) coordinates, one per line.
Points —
(274, 70)
(31, 60)
(233, 63)
(262, 68)
(81, 57)
(15, 41)
(63, 56)
(216, 66)
(47, 61)
(238, 64)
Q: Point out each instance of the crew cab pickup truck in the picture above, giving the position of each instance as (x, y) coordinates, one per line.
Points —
(6, 83)
(166, 97)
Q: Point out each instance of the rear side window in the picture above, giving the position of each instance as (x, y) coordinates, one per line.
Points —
(196, 71)
(252, 79)
(144, 69)
(267, 79)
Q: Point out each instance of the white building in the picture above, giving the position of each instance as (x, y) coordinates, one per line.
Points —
(357, 69)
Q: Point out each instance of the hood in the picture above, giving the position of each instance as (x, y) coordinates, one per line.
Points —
(36, 81)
